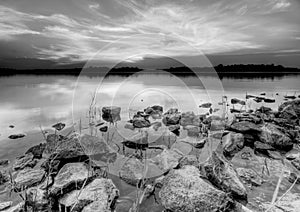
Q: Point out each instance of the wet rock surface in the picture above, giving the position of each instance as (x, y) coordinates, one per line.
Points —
(25, 161)
(99, 195)
(70, 176)
(185, 190)
(221, 173)
(191, 169)
(28, 177)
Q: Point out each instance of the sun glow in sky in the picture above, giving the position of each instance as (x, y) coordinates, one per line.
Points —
(69, 31)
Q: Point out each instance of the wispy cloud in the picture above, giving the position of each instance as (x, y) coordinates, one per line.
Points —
(146, 28)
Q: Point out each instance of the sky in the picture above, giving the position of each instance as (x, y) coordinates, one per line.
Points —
(43, 33)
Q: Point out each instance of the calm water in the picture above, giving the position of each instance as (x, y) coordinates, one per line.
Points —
(31, 102)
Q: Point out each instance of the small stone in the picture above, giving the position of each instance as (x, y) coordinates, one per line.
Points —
(103, 129)
(206, 105)
(16, 136)
(59, 126)
(250, 177)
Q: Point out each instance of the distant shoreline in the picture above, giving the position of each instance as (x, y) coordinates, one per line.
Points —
(222, 71)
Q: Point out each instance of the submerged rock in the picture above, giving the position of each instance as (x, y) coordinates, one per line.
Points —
(132, 171)
(237, 101)
(29, 177)
(206, 105)
(189, 118)
(221, 173)
(271, 135)
(192, 131)
(184, 190)
(99, 195)
(16, 136)
(217, 125)
(232, 143)
(103, 129)
(25, 161)
(166, 160)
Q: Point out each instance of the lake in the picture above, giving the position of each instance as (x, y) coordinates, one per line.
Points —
(31, 103)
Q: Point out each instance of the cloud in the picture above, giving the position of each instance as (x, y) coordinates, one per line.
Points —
(94, 6)
(170, 28)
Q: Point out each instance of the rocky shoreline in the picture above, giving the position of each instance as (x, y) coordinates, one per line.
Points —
(63, 174)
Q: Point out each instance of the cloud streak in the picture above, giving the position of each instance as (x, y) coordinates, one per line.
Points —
(213, 28)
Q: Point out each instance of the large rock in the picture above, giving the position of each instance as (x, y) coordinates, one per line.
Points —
(137, 141)
(295, 105)
(25, 161)
(132, 171)
(271, 135)
(217, 125)
(192, 131)
(111, 113)
(71, 176)
(245, 127)
(166, 160)
(183, 190)
(16, 208)
(221, 173)
(28, 177)
(189, 118)
(69, 150)
(171, 117)
(99, 195)
(232, 143)
(37, 150)
(5, 205)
